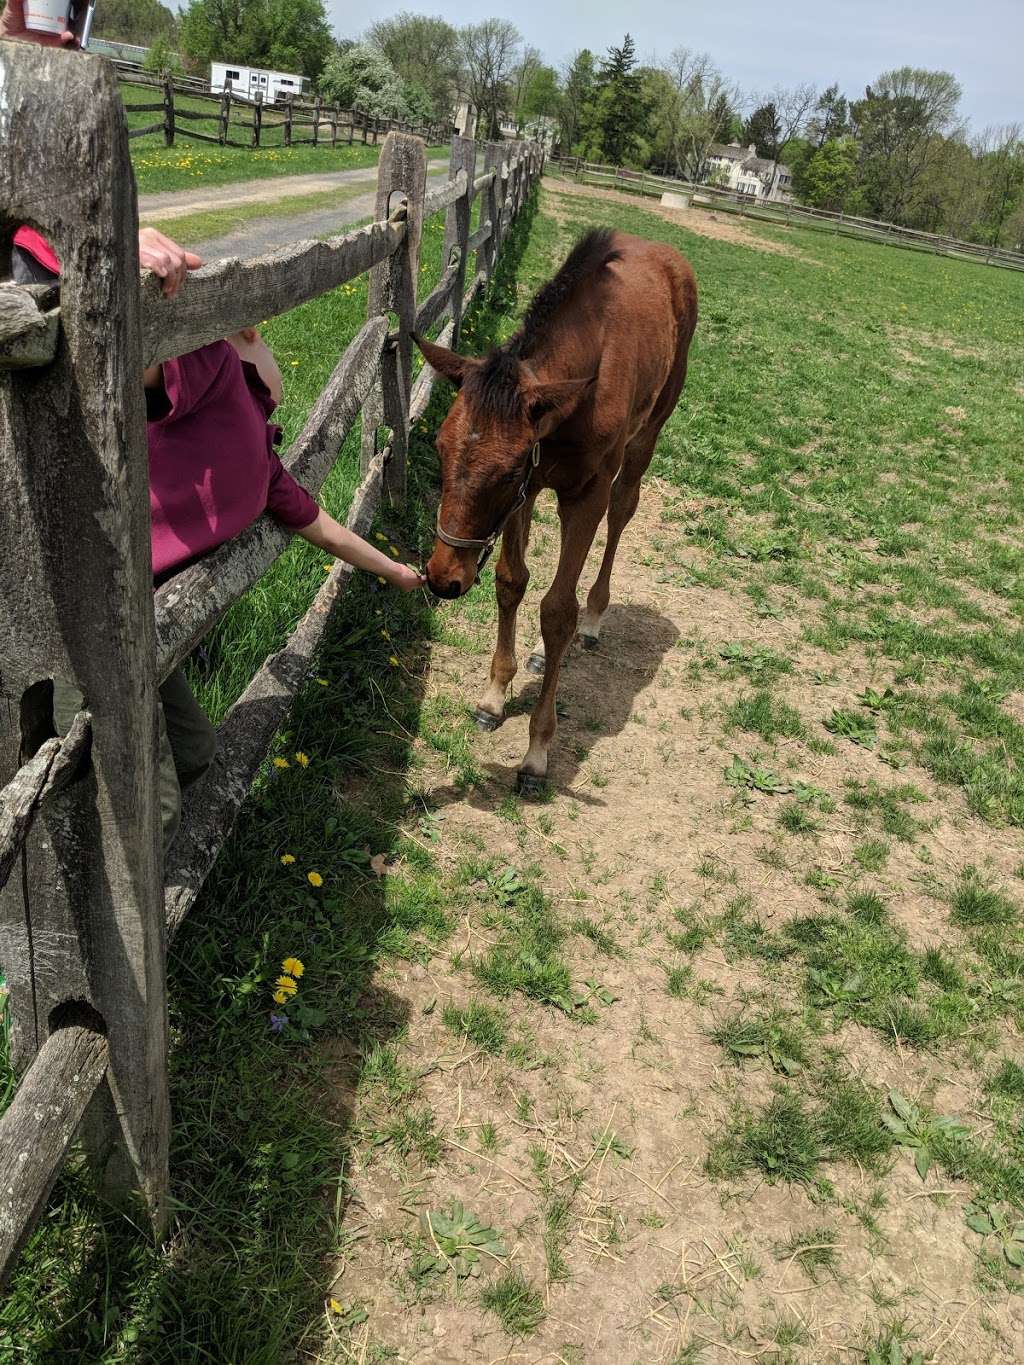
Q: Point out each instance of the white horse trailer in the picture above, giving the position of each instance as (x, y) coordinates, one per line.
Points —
(246, 81)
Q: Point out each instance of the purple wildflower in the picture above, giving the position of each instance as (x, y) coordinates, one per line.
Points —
(277, 1022)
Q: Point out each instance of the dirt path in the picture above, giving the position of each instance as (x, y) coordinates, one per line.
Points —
(256, 236)
(704, 222)
(172, 204)
(583, 1137)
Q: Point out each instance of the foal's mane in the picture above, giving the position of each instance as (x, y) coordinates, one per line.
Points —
(494, 385)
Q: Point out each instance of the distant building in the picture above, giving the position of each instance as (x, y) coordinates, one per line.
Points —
(740, 168)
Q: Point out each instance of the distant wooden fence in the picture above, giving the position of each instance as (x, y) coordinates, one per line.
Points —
(785, 214)
(86, 905)
(286, 123)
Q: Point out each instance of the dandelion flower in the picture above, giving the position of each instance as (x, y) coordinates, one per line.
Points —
(393, 662)
(334, 1306)
(294, 362)
(293, 966)
(394, 549)
(323, 682)
(281, 763)
(314, 879)
(379, 535)
(286, 984)
(287, 859)
(302, 759)
(280, 998)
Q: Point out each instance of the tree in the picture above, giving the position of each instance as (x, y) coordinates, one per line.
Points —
(288, 35)
(692, 108)
(622, 104)
(579, 83)
(763, 131)
(424, 51)
(161, 58)
(363, 78)
(831, 118)
(900, 125)
(134, 21)
(488, 51)
(829, 178)
(1000, 156)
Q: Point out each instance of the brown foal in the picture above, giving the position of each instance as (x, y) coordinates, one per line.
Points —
(574, 402)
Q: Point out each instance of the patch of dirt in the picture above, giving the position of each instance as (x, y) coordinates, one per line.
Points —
(931, 341)
(169, 204)
(650, 1255)
(703, 222)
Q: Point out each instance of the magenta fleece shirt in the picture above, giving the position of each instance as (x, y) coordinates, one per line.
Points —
(213, 468)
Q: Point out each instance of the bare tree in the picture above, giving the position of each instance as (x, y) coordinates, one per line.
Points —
(695, 108)
(526, 69)
(488, 52)
(792, 108)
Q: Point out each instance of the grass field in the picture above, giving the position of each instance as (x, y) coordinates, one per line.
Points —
(714, 1054)
(190, 164)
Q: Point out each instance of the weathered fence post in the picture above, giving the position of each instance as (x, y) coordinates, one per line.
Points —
(316, 121)
(224, 120)
(456, 224)
(257, 118)
(490, 210)
(401, 175)
(334, 125)
(82, 926)
(288, 122)
(168, 112)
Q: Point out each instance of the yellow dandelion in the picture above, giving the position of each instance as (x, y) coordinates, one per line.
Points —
(334, 1306)
(393, 662)
(281, 763)
(314, 879)
(323, 682)
(286, 984)
(293, 966)
(381, 579)
(379, 535)
(280, 998)
(302, 760)
(394, 549)
(287, 859)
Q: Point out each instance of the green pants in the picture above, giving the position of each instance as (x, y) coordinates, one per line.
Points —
(188, 742)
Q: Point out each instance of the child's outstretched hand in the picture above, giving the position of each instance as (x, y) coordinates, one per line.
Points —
(406, 578)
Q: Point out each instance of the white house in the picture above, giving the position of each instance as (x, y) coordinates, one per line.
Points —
(246, 81)
(541, 129)
(741, 169)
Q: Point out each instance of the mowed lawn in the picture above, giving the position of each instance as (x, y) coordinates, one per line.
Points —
(713, 1054)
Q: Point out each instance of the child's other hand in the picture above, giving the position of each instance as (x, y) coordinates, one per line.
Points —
(406, 578)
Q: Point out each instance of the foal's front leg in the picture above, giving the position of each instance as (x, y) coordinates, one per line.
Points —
(510, 579)
(558, 613)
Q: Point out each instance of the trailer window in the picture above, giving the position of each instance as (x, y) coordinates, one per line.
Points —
(232, 75)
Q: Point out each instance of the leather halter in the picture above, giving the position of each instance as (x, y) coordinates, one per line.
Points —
(486, 544)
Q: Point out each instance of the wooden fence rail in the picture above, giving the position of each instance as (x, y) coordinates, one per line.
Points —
(84, 923)
(327, 124)
(787, 214)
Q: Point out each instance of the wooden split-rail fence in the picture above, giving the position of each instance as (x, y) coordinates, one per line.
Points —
(234, 121)
(87, 904)
(785, 213)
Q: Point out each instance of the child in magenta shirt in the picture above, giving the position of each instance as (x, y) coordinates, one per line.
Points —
(213, 471)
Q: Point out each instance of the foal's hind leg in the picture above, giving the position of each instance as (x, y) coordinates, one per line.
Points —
(510, 579)
(625, 496)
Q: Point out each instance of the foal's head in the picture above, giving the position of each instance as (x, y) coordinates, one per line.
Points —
(485, 443)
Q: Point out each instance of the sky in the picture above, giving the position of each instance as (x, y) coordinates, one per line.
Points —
(760, 45)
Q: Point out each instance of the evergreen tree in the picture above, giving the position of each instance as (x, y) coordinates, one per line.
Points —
(623, 104)
(764, 131)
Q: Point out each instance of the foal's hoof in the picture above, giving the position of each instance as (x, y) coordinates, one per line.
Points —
(529, 784)
(535, 663)
(485, 720)
(589, 641)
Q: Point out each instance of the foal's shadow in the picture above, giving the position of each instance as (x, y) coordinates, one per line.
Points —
(597, 695)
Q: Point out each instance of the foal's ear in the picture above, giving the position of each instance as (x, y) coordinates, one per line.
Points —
(557, 399)
(449, 364)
